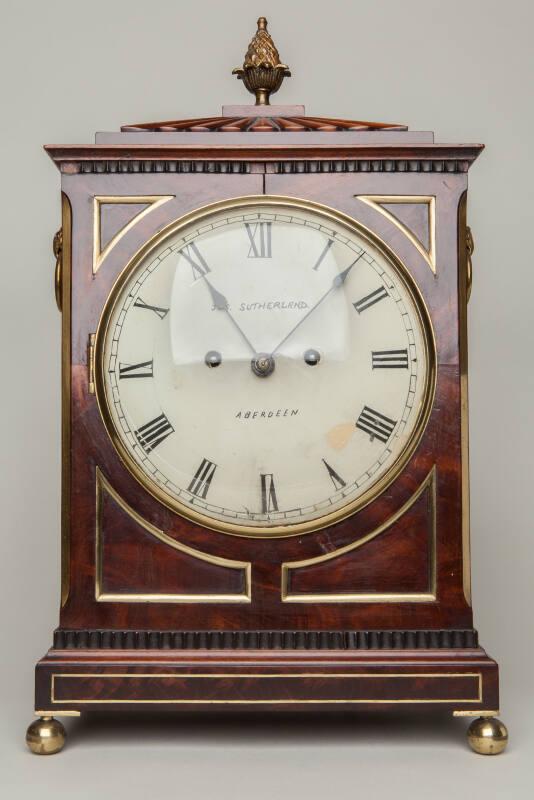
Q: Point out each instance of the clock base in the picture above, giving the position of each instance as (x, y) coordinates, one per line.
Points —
(463, 681)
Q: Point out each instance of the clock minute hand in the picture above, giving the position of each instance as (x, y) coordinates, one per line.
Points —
(220, 303)
(338, 281)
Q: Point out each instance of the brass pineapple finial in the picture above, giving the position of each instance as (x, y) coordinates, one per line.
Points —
(262, 73)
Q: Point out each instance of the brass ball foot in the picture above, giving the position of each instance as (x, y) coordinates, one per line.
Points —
(45, 736)
(487, 736)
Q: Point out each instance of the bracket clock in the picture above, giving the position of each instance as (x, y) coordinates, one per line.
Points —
(265, 479)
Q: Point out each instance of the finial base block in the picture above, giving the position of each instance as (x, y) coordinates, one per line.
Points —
(263, 111)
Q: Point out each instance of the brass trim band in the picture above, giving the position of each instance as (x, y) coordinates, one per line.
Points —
(463, 297)
(476, 713)
(56, 713)
(66, 349)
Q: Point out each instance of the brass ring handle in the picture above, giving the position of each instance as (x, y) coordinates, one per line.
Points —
(470, 247)
(58, 273)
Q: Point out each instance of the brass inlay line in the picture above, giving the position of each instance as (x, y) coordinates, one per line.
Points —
(103, 486)
(375, 597)
(463, 271)
(281, 700)
(66, 279)
(154, 200)
(376, 200)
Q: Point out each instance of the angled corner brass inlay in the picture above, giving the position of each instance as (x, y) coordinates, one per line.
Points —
(104, 487)
(377, 202)
(154, 201)
(357, 597)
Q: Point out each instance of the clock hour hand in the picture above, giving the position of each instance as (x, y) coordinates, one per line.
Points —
(338, 281)
(220, 303)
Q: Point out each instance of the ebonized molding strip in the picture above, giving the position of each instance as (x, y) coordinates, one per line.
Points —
(273, 167)
(264, 640)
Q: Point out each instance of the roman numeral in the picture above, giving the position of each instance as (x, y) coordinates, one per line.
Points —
(154, 432)
(375, 424)
(161, 312)
(260, 239)
(192, 254)
(327, 247)
(390, 359)
(338, 482)
(370, 299)
(268, 494)
(202, 479)
(143, 370)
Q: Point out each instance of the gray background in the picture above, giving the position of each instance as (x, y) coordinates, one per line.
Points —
(461, 68)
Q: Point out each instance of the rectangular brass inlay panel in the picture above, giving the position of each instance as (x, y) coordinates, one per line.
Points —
(377, 597)
(245, 567)
(476, 698)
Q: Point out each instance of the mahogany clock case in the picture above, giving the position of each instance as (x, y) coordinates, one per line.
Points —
(397, 562)
(369, 612)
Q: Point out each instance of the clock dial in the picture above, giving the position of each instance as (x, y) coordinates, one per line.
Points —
(265, 366)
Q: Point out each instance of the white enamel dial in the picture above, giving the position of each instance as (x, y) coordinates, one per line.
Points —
(265, 366)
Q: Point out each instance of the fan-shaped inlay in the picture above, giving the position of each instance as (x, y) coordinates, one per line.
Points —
(262, 124)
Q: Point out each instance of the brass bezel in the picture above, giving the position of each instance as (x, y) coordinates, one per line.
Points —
(299, 527)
